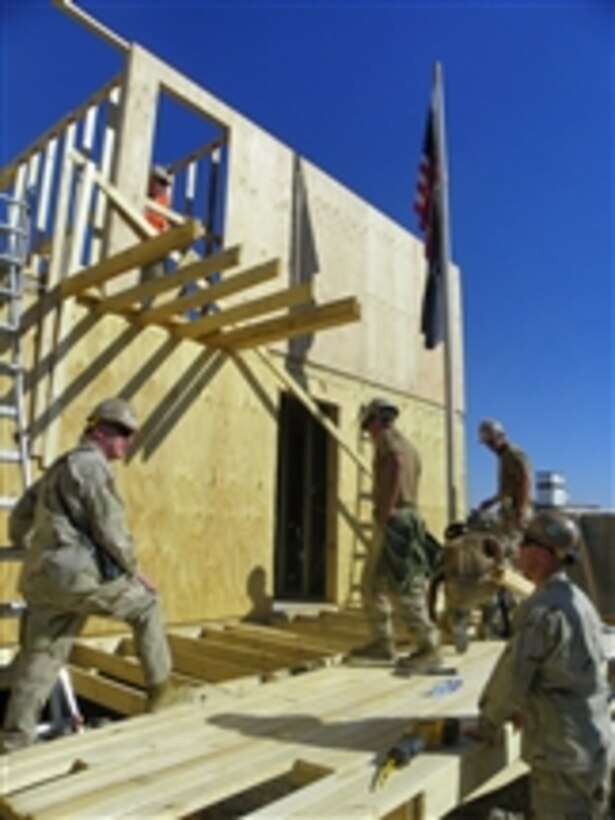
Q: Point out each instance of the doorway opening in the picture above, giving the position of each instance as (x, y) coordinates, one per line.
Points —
(305, 504)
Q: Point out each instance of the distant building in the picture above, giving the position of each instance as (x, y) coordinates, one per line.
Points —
(550, 489)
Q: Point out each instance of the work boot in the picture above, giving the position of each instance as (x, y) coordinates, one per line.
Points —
(423, 661)
(164, 695)
(381, 649)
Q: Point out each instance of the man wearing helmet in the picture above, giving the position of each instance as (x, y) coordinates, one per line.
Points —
(81, 561)
(158, 191)
(551, 682)
(395, 571)
(514, 479)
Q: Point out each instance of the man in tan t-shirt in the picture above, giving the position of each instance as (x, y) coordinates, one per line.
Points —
(514, 481)
(395, 572)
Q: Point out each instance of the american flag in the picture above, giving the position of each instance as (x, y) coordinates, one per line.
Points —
(428, 211)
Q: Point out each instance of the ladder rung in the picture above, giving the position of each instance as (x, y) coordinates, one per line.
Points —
(9, 369)
(8, 411)
(7, 502)
(12, 553)
(10, 456)
(13, 609)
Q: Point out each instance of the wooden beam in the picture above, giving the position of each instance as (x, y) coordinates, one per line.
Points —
(90, 22)
(149, 250)
(297, 295)
(308, 402)
(125, 669)
(514, 582)
(322, 317)
(116, 696)
(119, 302)
(240, 281)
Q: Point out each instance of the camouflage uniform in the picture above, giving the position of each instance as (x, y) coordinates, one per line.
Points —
(552, 674)
(80, 561)
(395, 572)
(469, 564)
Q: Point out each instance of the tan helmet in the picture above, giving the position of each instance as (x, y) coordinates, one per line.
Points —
(555, 531)
(378, 408)
(114, 411)
(489, 429)
(160, 173)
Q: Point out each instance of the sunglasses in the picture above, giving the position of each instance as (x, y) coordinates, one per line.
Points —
(531, 542)
(120, 430)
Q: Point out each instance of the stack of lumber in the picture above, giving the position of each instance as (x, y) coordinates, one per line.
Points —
(300, 745)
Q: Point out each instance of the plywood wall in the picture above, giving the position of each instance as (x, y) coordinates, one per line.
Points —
(200, 486)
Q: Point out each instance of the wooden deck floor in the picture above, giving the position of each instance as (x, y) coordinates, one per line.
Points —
(297, 734)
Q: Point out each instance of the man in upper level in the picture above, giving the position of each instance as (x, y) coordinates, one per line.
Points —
(396, 568)
(514, 480)
(158, 190)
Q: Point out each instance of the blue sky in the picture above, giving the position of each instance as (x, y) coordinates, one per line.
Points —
(529, 109)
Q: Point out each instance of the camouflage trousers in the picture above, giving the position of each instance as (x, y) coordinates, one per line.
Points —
(385, 592)
(571, 795)
(47, 637)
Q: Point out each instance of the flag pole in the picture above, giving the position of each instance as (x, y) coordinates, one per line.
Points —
(449, 393)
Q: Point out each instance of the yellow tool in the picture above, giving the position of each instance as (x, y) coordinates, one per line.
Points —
(422, 735)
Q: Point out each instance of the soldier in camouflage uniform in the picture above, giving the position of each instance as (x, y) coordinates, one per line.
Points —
(80, 561)
(395, 571)
(470, 560)
(514, 482)
(551, 681)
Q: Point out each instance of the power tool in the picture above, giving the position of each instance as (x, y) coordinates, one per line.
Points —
(421, 736)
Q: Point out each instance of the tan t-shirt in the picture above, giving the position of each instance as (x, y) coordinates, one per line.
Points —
(514, 472)
(393, 443)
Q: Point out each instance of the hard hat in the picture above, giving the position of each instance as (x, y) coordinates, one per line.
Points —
(114, 411)
(556, 532)
(489, 429)
(160, 172)
(378, 408)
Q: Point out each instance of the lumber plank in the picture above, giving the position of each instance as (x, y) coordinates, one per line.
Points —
(322, 317)
(144, 252)
(514, 582)
(236, 283)
(241, 658)
(114, 695)
(286, 652)
(89, 658)
(119, 302)
(90, 22)
(335, 719)
(297, 295)
(263, 658)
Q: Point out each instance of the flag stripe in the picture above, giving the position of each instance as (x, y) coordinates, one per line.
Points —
(427, 209)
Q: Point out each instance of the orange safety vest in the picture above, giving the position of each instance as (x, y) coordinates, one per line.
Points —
(158, 221)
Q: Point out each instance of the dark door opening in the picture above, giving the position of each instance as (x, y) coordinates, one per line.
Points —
(306, 463)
